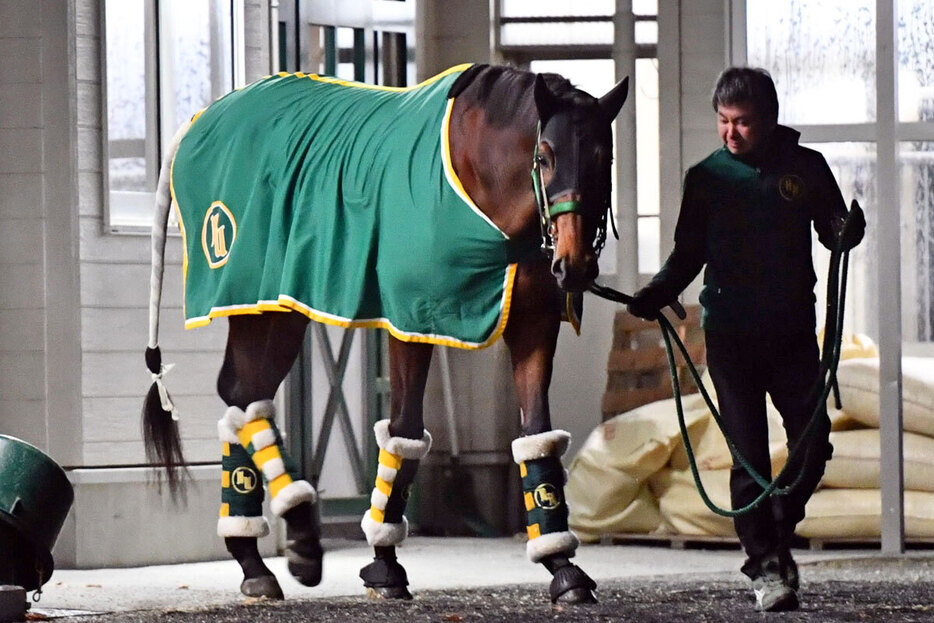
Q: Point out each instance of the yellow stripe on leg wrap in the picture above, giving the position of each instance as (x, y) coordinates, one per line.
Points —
(225, 510)
(261, 457)
(383, 486)
(390, 460)
(534, 531)
(278, 483)
(377, 514)
(245, 434)
(225, 479)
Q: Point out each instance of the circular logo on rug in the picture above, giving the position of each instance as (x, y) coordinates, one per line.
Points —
(218, 234)
(791, 186)
(243, 480)
(547, 496)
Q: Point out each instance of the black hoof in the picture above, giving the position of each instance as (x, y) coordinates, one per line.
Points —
(388, 592)
(265, 586)
(570, 585)
(305, 562)
(385, 578)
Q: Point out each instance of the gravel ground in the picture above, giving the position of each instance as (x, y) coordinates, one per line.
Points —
(872, 589)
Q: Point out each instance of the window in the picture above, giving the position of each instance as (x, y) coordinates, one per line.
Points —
(823, 57)
(164, 61)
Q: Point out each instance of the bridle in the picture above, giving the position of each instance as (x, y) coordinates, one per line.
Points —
(547, 211)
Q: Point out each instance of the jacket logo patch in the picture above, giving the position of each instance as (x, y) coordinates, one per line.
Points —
(791, 187)
(218, 234)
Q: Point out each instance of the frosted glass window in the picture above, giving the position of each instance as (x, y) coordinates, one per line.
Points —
(821, 55)
(915, 60)
(916, 176)
(645, 7)
(645, 90)
(557, 8)
(556, 33)
(649, 245)
(126, 95)
(193, 51)
(201, 69)
(646, 32)
(854, 166)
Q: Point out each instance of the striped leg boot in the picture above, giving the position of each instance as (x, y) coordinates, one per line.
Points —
(384, 524)
(292, 498)
(550, 541)
(241, 520)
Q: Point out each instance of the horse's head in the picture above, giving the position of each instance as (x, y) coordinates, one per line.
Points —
(571, 175)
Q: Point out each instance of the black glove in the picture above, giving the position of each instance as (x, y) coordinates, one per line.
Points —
(643, 305)
(851, 230)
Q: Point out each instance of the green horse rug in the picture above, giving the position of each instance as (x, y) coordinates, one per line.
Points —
(339, 200)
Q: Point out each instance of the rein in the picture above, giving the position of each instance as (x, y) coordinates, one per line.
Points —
(827, 375)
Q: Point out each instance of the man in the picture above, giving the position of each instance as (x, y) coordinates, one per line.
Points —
(746, 213)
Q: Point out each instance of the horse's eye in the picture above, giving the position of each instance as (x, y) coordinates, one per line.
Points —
(542, 160)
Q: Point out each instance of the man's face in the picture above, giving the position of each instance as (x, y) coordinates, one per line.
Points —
(740, 128)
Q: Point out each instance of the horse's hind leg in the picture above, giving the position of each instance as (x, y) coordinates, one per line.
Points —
(260, 352)
(403, 442)
(532, 335)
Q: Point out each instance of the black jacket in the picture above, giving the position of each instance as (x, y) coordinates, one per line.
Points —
(750, 223)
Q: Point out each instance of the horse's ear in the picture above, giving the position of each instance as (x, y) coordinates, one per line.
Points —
(545, 101)
(613, 101)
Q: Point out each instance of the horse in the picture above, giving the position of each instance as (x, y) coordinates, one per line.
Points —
(440, 169)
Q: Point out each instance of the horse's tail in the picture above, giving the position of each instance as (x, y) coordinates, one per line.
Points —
(160, 419)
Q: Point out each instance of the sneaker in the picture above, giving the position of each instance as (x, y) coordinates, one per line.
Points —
(774, 595)
(774, 592)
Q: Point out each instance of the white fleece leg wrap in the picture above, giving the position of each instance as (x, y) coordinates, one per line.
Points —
(228, 429)
(550, 444)
(550, 544)
(378, 532)
(292, 495)
(256, 527)
(540, 446)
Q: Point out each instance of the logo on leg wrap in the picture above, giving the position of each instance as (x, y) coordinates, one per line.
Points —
(244, 480)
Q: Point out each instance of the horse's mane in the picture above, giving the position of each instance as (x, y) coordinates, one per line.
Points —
(505, 93)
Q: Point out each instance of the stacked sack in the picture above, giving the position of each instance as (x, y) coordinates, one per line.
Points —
(632, 473)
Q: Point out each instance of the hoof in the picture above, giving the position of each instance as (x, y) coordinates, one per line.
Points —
(265, 586)
(571, 585)
(385, 578)
(388, 592)
(304, 563)
(576, 596)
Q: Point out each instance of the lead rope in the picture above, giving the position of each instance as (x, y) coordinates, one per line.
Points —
(830, 358)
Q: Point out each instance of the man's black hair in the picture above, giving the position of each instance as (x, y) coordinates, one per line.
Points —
(737, 85)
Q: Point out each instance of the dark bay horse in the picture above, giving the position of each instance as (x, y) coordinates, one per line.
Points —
(437, 237)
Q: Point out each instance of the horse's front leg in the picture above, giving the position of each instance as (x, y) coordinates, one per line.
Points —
(403, 442)
(532, 335)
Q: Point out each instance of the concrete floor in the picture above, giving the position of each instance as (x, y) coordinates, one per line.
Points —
(432, 563)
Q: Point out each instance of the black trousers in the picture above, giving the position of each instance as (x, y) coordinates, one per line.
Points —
(743, 369)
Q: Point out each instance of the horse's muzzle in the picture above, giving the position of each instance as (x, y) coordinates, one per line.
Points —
(575, 276)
